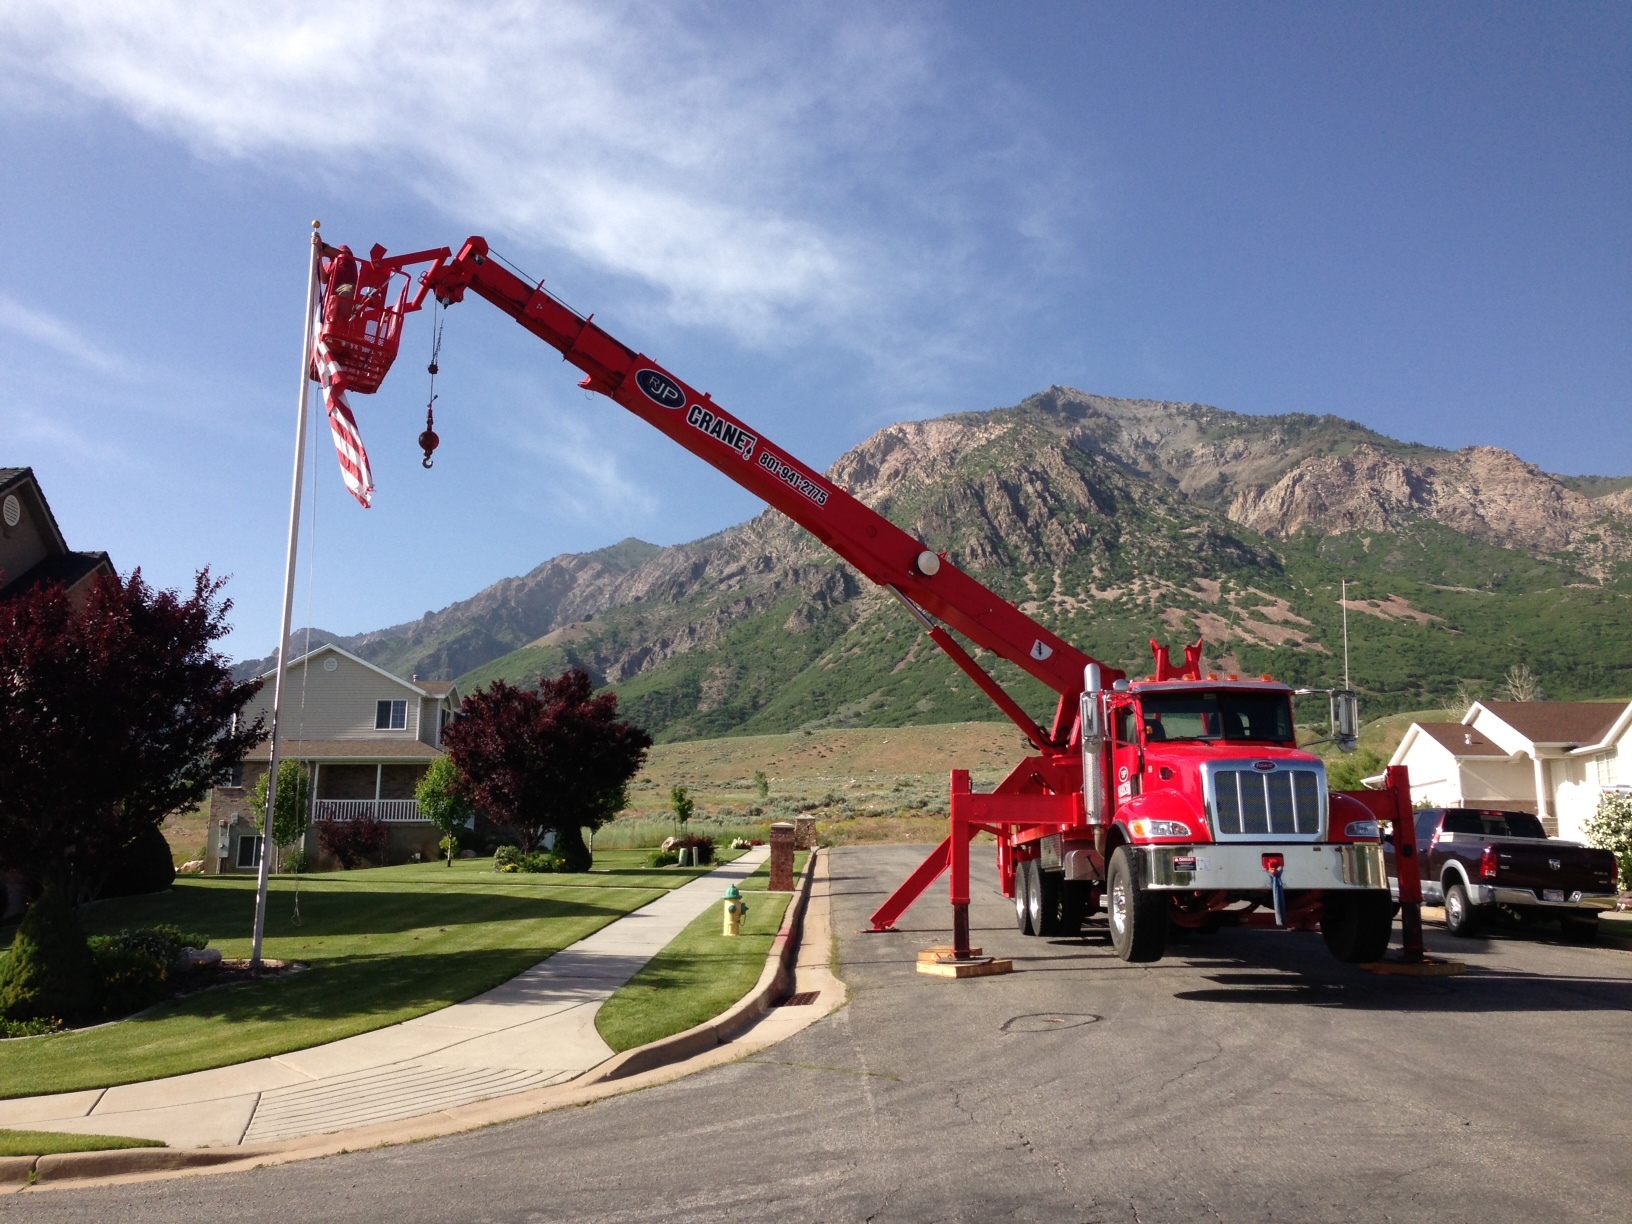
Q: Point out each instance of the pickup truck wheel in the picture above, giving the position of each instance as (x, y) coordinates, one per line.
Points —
(1022, 897)
(1461, 915)
(1045, 900)
(1357, 926)
(1138, 917)
(1579, 930)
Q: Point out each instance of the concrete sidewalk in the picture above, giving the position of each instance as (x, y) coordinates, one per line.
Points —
(535, 1030)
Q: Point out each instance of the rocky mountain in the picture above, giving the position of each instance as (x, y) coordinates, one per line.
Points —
(1112, 521)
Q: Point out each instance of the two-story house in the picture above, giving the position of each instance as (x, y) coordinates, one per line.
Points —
(33, 552)
(365, 737)
(32, 547)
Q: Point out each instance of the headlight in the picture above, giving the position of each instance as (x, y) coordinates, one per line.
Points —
(1158, 828)
(1362, 830)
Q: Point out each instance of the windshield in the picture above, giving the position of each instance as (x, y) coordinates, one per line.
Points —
(1217, 716)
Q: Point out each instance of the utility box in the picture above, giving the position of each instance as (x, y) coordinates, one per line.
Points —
(781, 857)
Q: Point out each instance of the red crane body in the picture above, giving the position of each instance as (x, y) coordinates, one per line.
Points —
(1173, 799)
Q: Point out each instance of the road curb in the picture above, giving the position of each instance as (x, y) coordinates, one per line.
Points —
(772, 986)
(659, 1062)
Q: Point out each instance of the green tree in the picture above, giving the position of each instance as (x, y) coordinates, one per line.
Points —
(442, 802)
(294, 803)
(1345, 772)
(762, 785)
(681, 801)
(49, 971)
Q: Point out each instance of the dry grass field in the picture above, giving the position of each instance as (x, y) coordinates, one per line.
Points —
(862, 784)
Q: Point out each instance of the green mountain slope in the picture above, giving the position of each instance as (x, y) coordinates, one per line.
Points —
(1114, 521)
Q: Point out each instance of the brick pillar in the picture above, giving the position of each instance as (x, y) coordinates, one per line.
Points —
(804, 832)
(781, 857)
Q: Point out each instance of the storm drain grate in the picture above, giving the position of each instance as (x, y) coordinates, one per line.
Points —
(803, 999)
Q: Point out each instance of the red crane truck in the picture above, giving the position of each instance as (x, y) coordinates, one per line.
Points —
(1176, 800)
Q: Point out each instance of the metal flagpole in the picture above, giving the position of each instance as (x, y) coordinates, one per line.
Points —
(288, 596)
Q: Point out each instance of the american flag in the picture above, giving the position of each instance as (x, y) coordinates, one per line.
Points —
(348, 443)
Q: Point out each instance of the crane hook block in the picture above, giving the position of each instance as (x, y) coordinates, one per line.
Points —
(428, 441)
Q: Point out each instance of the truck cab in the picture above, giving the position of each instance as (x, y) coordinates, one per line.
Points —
(1201, 811)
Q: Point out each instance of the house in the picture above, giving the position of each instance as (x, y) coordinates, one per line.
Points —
(1552, 758)
(32, 547)
(366, 738)
(33, 551)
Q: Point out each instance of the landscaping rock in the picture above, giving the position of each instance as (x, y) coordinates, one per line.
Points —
(198, 958)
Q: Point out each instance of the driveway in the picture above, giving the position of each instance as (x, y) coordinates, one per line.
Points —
(1247, 1077)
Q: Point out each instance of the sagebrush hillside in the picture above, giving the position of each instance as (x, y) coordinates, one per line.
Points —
(1111, 521)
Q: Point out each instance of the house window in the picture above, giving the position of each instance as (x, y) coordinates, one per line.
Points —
(235, 776)
(1607, 773)
(390, 715)
(249, 851)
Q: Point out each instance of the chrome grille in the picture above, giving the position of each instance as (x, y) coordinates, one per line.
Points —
(1286, 801)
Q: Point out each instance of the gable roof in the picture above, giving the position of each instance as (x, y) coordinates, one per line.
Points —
(425, 688)
(1459, 740)
(14, 480)
(1554, 723)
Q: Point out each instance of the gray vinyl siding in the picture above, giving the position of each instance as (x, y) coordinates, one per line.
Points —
(340, 705)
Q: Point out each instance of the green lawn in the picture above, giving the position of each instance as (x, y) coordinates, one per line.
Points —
(700, 974)
(48, 1143)
(383, 945)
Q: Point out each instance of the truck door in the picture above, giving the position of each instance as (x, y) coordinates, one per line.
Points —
(1125, 755)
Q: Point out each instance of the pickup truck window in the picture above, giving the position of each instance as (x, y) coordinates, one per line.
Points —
(1217, 716)
(1495, 824)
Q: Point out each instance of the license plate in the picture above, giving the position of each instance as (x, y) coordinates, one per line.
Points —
(1552, 894)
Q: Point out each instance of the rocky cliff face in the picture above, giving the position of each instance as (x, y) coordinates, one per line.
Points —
(1107, 519)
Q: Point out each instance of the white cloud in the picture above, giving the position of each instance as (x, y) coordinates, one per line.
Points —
(49, 332)
(760, 168)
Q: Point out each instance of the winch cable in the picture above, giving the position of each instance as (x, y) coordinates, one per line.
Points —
(428, 440)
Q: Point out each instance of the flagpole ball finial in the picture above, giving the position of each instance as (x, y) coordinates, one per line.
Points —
(317, 225)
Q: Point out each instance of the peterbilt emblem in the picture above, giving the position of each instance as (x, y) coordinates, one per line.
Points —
(1122, 774)
(1556, 864)
(1263, 766)
(660, 389)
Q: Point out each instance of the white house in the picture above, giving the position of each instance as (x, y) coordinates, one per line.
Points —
(366, 738)
(1553, 758)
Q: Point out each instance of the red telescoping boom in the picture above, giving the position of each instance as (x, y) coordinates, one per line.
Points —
(1043, 792)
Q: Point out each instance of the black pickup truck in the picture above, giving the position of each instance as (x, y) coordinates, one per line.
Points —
(1476, 862)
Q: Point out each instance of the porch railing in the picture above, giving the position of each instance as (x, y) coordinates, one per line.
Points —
(389, 811)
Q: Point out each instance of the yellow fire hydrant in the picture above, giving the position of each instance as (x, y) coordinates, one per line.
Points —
(735, 908)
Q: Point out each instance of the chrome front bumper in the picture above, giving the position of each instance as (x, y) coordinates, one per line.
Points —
(1236, 867)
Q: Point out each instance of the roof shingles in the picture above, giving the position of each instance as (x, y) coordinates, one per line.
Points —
(1558, 722)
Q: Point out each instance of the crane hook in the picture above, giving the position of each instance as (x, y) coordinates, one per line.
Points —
(428, 441)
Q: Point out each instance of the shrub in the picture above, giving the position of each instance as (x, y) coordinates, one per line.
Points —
(352, 841)
(295, 861)
(507, 858)
(130, 977)
(1611, 829)
(662, 858)
(49, 971)
(449, 848)
(144, 866)
(28, 1028)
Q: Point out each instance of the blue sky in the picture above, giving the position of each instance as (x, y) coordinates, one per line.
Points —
(830, 216)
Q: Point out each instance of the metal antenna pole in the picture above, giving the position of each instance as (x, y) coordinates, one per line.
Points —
(1344, 604)
(288, 597)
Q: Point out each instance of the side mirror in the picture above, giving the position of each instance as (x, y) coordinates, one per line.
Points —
(1346, 720)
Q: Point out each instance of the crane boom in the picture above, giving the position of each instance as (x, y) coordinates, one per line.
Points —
(883, 552)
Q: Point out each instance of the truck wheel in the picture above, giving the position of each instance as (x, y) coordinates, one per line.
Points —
(1022, 897)
(1579, 930)
(1357, 926)
(1138, 917)
(1461, 915)
(1045, 900)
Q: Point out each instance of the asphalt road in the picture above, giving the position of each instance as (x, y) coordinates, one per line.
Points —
(1247, 1077)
